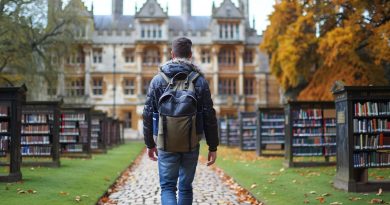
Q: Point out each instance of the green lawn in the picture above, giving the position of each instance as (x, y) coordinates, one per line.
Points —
(276, 185)
(87, 179)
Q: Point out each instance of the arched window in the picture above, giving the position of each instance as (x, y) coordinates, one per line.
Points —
(151, 56)
(227, 56)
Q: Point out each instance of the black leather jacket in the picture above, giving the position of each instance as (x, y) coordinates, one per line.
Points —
(205, 103)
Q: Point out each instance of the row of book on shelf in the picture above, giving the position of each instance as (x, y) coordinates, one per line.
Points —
(366, 109)
(4, 127)
(35, 129)
(314, 151)
(365, 141)
(36, 118)
(371, 159)
(35, 140)
(371, 125)
(36, 150)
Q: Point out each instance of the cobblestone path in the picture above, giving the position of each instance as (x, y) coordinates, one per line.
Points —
(142, 187)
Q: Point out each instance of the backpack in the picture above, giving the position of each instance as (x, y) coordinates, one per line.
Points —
(176, 129)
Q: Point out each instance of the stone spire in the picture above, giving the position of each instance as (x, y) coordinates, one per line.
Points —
(117, 8)
(186, 9)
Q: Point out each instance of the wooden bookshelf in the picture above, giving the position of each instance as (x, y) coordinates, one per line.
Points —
(11, 101)
(271, 134)
(248, 130)
(310, 133)
(98, 140)
(363, 137)
(40, 134)
(75, 131)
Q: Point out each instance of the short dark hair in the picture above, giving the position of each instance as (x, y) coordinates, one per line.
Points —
(181, 47)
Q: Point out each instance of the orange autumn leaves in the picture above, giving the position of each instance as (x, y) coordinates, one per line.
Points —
(312, 44)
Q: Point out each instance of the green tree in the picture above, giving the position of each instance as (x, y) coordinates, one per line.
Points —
(32, 43)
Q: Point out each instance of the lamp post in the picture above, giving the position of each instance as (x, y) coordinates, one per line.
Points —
(114, 83)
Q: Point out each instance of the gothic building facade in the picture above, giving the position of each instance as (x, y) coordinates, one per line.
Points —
(119, 55)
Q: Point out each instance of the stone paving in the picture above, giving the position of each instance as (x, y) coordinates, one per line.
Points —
(142, 187)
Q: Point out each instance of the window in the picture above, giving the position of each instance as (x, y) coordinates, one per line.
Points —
(97, 56)
(77, 58)
(145, 85)
(97, 86)
(128, 118)
(249, 86)
(248, 56)
(151, 31)
(206, 58)
(228, 86)
(75, 87)
(128, 86)
(229, 30)
(129, 56)
(151, 56)
(227, 56)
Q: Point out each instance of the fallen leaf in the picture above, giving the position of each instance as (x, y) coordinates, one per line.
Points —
(376, 201)
(336, 203)
(379, 177)
(104, 199)
(62, 193)
(30, 191)
(354, 198)
(294, 181)
(77, 198)
(306, 201)
(321, 199)
(21, 192)
(313, 192)
(253, 186)
(281, 170)
(326, 194)
(379, 192)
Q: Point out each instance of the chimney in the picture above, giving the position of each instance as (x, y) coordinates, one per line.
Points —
(117, 8)
(186, 9)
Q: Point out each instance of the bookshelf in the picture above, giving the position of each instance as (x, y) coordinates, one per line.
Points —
(98, 140)
(116, 134)
(233, 132)
(107, 125)
(75, 131)
(40, 134)
(11, 101)
(363, 137)
(271, 140)
(310, 133)
(248, 130)
(223, 131)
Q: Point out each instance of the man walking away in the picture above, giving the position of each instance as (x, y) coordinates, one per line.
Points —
(178, 112)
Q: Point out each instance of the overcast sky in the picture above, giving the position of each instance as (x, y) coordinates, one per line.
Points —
(260, 9)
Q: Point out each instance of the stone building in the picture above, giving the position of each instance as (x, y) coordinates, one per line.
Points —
(119, 55)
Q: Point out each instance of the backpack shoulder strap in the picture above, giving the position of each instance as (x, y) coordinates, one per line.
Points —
(193, 76)
(165, 77)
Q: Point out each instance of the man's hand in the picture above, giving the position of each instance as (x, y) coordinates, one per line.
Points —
(211, 158)
(152, 153)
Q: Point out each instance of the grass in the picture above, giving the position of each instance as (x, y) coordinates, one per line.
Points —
(276, 185)
(86, 179)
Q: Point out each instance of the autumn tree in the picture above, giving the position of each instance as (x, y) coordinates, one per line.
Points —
(32, 43)
(328, 41)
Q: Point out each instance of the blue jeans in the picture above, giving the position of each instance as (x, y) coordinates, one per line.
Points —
(171, 167)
